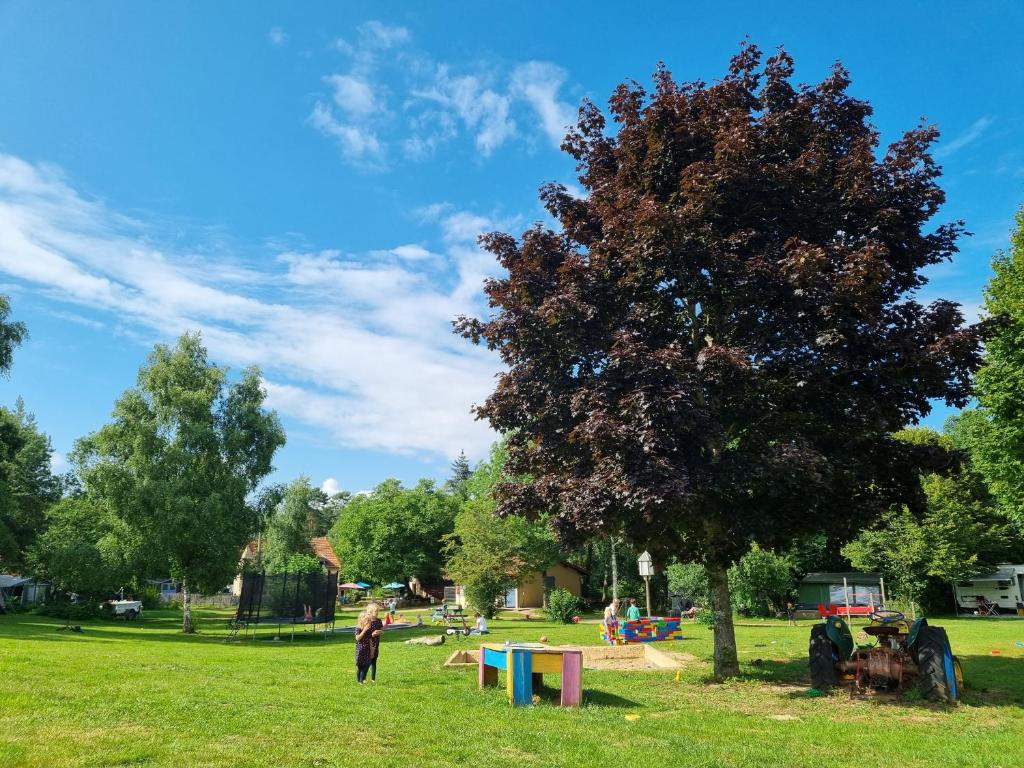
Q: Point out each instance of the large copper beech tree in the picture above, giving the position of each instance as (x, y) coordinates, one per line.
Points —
(718, 343)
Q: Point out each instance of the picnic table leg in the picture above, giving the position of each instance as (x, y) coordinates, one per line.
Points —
(572, 679)
(486, 675)
(520, 677)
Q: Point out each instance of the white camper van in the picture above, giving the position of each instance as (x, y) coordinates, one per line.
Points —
(1003, 588)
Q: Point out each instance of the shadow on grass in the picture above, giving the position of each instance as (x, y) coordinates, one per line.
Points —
(604, 699)
(167, 628)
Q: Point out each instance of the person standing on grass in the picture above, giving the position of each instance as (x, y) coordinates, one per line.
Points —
(633, 612)
(611, 620)
(791, 613)
(368, 632)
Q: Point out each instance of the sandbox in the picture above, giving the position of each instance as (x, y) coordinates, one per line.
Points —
(624, 657)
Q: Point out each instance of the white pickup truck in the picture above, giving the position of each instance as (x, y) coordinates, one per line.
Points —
(129, 609)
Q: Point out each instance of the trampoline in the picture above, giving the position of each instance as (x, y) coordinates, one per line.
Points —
(286, 599)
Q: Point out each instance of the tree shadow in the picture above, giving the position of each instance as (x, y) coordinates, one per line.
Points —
(605, 699)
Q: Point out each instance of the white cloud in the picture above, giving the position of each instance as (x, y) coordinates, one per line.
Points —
(330, 486)
(354, 95)
(358, 144)
(538, 83)
(482, 110)
(360, 347)
(434, 101)
(412, 252)
(382, 35)
(57, 462)
(972, 134)
(463, 226)
(277, 37)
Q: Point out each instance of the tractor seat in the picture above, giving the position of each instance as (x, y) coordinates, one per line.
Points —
(885, 630)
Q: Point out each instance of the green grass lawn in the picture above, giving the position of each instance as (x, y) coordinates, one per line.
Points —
(143, 694)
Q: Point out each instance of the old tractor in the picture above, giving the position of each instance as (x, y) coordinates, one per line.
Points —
(902, 651)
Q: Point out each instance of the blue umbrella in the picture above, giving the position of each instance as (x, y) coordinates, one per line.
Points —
(363, 585)
(394, 585)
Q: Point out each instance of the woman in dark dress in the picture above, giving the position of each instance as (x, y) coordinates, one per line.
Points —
(368, 632)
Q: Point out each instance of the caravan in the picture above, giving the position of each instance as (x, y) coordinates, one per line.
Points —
(1002, 590)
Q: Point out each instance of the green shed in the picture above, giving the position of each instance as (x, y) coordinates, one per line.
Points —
(827, 589)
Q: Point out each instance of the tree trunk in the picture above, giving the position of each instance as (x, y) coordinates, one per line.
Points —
(615, 572)
(186, 609)
(726, 661)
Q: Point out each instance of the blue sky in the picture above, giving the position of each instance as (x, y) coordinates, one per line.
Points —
(304, 183)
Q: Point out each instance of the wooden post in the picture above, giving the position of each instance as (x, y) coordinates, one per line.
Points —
(881, 586)
(647, 585)
(846, 597)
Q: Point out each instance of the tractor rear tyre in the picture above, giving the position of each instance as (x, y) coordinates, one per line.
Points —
(937, 666)
(822, 660)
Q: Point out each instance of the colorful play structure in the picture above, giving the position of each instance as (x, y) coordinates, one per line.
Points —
(525, 665)
(644, 631)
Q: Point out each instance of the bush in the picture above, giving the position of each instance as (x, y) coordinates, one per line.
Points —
(706, 617)
(689, 580)
(562, 606)
(761, 582)
(483, 594)
(149, 596)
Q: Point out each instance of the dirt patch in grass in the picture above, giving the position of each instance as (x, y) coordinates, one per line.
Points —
(630, 658)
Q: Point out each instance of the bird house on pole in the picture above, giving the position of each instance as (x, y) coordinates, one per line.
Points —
(646, 564)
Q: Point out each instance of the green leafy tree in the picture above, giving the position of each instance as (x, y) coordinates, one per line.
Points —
(12, 334)
(689, 580)
(762, 581)
(488, 554)
(460, 472)
(394, 533)
(87, 549)
(183, 452)
(27, 485)
(720, 338)
(993, 433)
(960, 532)
(292, 524)
(898, 548)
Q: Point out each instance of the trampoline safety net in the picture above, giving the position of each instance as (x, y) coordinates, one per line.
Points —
(284, 597)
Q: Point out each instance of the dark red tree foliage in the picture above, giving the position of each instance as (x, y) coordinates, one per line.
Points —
(718, 344)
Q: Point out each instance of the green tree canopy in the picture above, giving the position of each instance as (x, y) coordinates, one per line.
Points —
(292, 524)
(27, 485)
(488, 554)
(762, 581)
(12, 334)
(183, 452)
(961, 531)
(993, 433)
(87, 549)
(460, 472)
(394, 533)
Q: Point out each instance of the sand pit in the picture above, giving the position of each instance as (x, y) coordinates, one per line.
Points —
(622, 657)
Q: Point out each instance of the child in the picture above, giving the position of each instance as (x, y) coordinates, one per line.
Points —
(633, 612)
(368, 632)
(480, 625)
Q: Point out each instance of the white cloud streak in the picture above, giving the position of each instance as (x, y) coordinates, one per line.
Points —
(436, 102)
(359, 347)
(976, 130)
